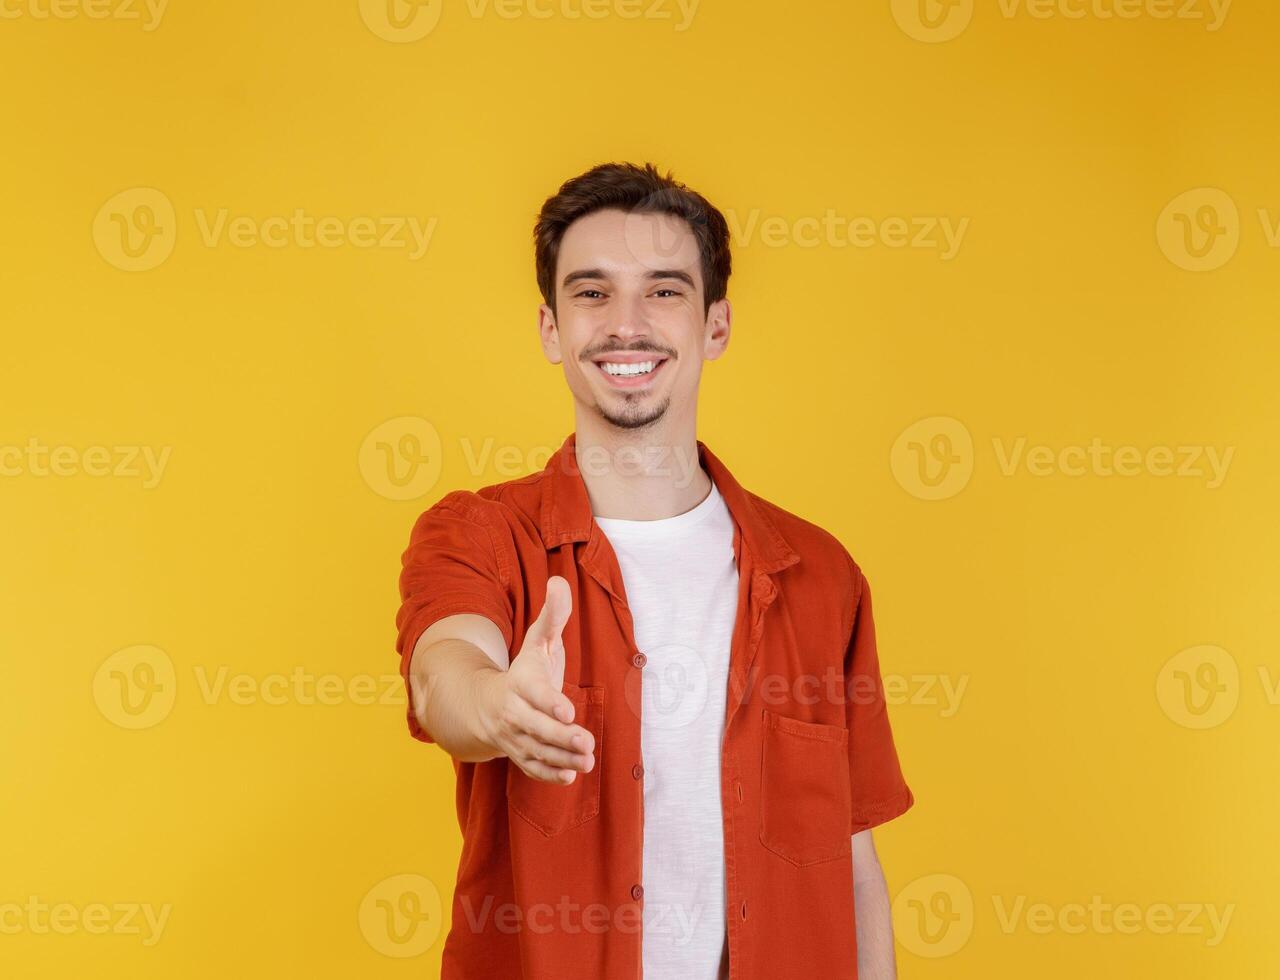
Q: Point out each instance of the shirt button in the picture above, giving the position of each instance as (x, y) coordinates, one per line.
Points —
(637, 772)
(739, 792)
(639, 660)
(744, 909)
(637, 892)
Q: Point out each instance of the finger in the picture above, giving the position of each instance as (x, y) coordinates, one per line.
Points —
(519, 717)
(530, 748)
(539, 693)
(571, 738)
(545, 773)
(555, 612)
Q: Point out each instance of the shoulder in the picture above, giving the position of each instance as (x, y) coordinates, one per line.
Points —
(820, 551)
(509, 504)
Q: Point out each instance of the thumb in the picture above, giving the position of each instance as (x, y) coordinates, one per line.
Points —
(555, 612)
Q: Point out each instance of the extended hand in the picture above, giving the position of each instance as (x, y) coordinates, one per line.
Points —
(528, 717)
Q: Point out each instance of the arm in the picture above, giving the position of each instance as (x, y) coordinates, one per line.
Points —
(453, 661)
(479, 705)
(877, 788)
(874, 923)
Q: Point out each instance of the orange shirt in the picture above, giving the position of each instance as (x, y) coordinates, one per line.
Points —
(549, 883)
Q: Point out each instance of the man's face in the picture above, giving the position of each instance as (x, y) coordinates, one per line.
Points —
(629, 326)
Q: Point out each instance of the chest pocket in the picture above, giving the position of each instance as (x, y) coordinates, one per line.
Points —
(806, 811)
(551, 808)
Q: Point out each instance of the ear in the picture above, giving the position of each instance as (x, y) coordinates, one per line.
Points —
(549, 334)
(719, 322)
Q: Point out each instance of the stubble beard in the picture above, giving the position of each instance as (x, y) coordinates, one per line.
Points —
(633, 415)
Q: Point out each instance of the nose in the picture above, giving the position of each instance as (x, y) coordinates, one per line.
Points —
(629, 321)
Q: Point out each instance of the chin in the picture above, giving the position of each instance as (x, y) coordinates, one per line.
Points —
(635, 416)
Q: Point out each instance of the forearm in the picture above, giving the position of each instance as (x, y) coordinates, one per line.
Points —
(451, 685)
(874, 923)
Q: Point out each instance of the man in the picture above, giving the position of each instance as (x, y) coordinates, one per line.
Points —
(661, 692)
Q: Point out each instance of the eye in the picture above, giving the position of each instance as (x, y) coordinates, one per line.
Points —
(668, 291)
(589, 294)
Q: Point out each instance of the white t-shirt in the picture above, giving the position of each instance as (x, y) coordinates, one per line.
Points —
(681, 583)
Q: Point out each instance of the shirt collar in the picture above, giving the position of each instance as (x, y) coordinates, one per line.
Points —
(566, 508)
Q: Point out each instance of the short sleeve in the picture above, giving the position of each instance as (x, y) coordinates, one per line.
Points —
(878, 791)
(453, 565)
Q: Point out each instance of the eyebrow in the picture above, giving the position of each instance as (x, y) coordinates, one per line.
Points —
(580, 274)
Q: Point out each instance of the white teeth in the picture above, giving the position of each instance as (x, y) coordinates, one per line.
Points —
(628, 370)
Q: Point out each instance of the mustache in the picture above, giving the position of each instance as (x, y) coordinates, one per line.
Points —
(646, 347)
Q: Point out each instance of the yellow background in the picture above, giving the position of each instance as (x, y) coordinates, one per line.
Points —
(1057, 600)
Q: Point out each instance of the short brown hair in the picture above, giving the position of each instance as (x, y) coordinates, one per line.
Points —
(638, 190)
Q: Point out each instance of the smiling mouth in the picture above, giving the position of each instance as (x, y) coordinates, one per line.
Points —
(631, 374)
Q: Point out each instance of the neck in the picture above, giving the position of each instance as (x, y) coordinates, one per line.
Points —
(644, 474)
